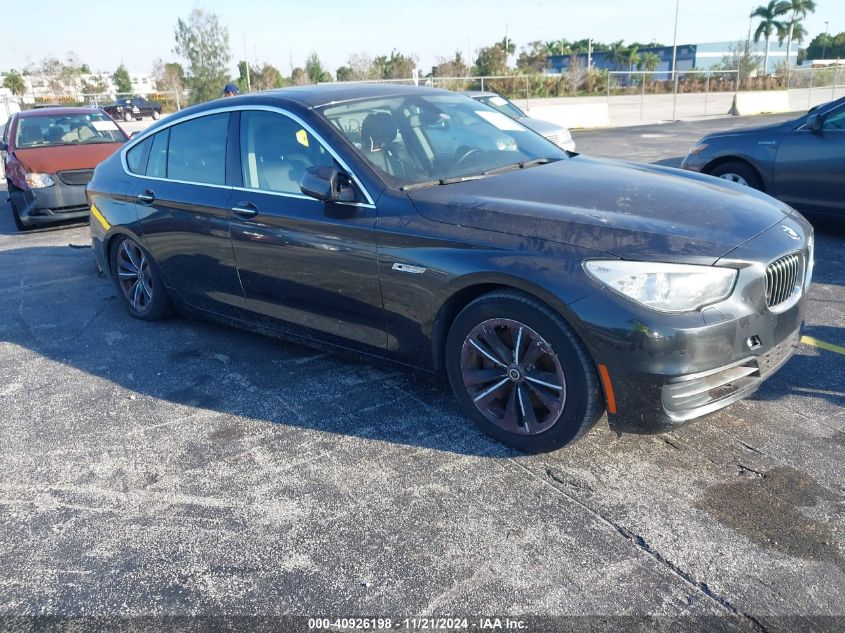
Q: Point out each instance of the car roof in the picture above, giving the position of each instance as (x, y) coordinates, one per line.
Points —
(315, 96)
(479, 93)
(56, 112)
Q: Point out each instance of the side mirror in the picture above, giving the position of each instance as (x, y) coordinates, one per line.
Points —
(326, 184)
(814, 123)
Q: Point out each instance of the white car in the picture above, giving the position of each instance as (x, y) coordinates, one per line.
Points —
(557, 134)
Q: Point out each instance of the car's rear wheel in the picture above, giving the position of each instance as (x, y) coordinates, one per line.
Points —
(739, 172)
(521, 374)
(136, 277)
(156, 115)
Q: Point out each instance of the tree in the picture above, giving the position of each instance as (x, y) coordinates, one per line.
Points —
(121, 79)
(315, 71)
(51, 70)
(266, 77)
(632, 57)
(826, 46)
(493, 60)
(454, 67)
(397, 66)
(648, 62)
(795, 31)
(769, 24)
(298, 76)
(14, 82)
(94, 85)
(534, 57)
(742, 58)
(169, 77)
(204, 43)
(617, 54)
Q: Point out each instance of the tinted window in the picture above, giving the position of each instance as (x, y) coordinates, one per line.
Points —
(197, 151)
(157, 164)
(835, 120)
(136, 158)
(276, 151)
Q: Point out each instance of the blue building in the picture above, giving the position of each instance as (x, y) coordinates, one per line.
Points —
(698, 56)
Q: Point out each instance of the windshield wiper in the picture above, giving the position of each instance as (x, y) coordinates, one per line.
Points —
(442, 181)
(523, 164)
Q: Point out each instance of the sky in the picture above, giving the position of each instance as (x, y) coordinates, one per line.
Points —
(284, 32)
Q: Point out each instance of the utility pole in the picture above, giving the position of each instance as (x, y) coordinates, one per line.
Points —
(589, 54)
(506, 46)
(824, 45)
(675, 61)
(246, 63)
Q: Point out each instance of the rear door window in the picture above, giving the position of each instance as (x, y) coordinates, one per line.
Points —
(197, 150)
(136, 158)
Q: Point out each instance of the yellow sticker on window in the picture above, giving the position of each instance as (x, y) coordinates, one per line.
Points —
(302, 137)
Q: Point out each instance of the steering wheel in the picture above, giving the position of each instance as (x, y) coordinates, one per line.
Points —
(471, 151)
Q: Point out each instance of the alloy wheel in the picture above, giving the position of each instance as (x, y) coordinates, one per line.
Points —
(513, 376)
(734, 178)
(134, 275)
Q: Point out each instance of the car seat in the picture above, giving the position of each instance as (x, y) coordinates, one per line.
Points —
(281, 160)
(31, 135)
(378, 136)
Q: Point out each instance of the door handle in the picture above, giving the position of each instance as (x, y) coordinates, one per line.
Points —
(245, 210)
(148, 197)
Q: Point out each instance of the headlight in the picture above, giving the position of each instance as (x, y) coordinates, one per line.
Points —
(811, 261)
(697, 149)
(39, 181)
(664, 287)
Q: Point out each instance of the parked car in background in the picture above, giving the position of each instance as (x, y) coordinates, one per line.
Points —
(133, 109)
(49, 156)
(801, 161)
(547, 286)
(557, 134)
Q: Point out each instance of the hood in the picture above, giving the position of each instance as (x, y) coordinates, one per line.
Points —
(545, 128)
(632, 211)
(49, 160)
(773, 128)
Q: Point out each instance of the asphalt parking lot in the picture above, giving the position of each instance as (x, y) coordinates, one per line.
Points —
(183, 468)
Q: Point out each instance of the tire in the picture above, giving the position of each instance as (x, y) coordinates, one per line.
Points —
(15, 215)
(739, 172)
(156, 115)
(127, 116)
(545, 400)
(143, 294)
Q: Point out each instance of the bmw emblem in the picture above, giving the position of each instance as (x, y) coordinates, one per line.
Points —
(789, 231)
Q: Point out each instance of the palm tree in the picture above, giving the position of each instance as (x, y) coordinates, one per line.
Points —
(796, 31)
(617, 54)
(648, 62)
(769, 24)
(14, 82)
(631, 57)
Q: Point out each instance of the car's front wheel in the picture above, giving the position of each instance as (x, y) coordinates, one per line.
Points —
(739, 172)
(521, 374)
(136, 277)
(16, 216)
(128, 117)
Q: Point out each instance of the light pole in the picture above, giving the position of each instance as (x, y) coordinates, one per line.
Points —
(824, 44)
(675, 61)
(246, 63)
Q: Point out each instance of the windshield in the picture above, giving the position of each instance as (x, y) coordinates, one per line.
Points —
(437, 139)
(502, 105)
(67, 129)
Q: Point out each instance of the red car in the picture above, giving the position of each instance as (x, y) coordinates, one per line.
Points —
(49, 156)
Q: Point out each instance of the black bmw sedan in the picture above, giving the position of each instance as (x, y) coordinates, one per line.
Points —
(428, 229)
(800, 161)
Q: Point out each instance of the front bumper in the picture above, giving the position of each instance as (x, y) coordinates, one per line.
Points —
(665, 370)
(47, 205)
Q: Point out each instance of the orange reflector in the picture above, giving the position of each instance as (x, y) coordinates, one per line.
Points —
(608, 389)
